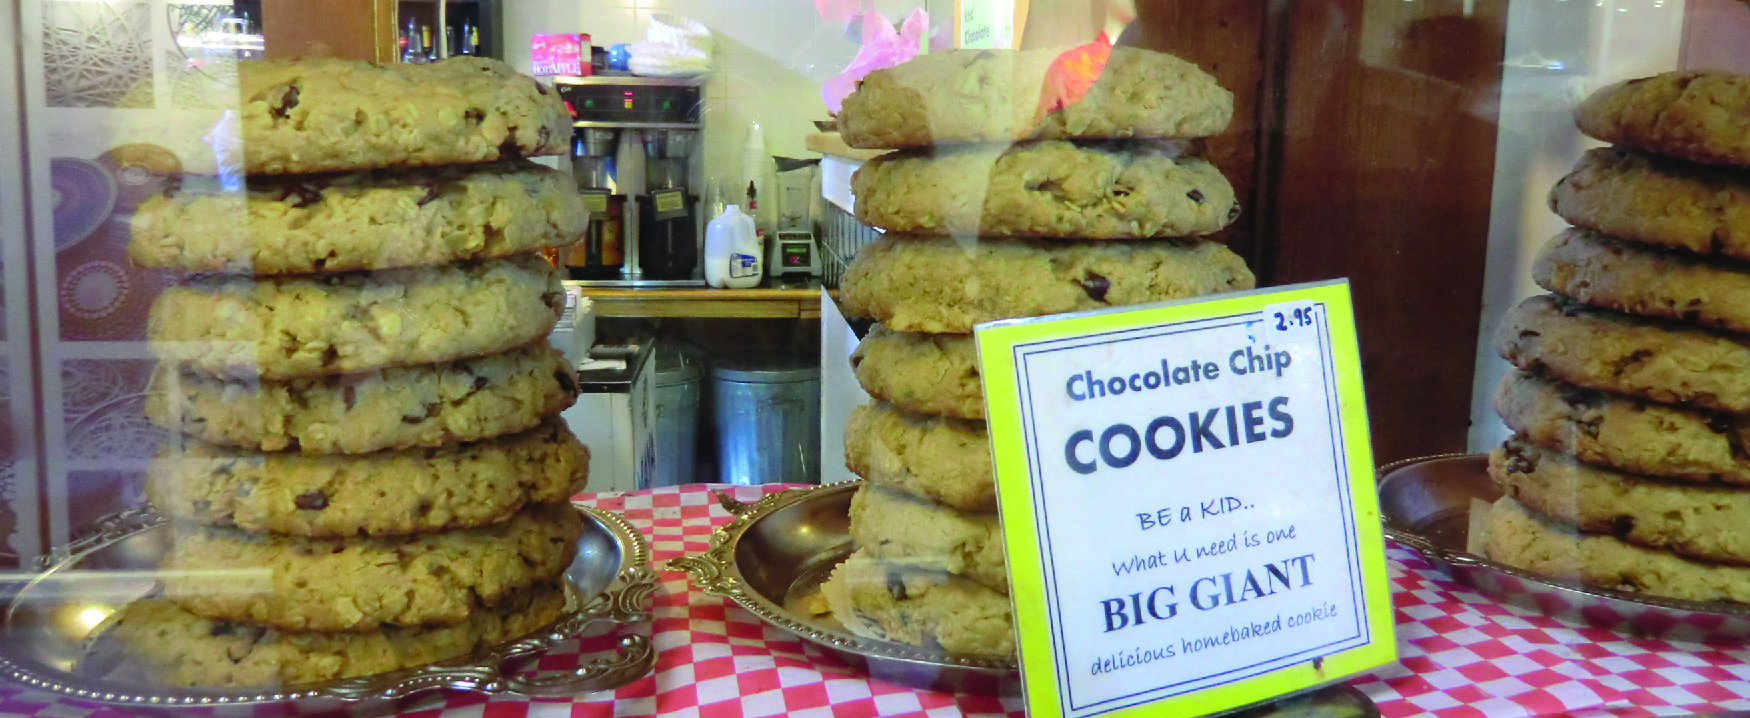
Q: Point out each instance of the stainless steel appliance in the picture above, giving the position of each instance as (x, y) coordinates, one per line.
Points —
(663, 118)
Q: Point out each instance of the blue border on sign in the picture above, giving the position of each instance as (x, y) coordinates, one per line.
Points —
(1361, 634)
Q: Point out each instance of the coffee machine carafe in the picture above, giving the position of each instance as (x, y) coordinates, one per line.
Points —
(667, 212)
(602, 252)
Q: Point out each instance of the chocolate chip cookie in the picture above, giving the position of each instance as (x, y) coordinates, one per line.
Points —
(1129, 190)
(326, 115)
(360, 220)
(1659, 201)
(929, 609)
(425, 406)
(1633, 435)
(296, 326)
(1587, 266)
(921, 373)
(356, 584)
(1517, 537)
(947, 285)
(1698, 116)
(179, 648)
(896, 526)
(386, 493)
(936, 458)
(1003, 95)
(1663, 361)
(1706, 521)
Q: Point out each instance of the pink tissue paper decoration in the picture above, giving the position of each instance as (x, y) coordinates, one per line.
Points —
(883, 47)
(836, 10)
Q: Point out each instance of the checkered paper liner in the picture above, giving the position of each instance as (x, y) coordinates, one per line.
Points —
(1461, 655)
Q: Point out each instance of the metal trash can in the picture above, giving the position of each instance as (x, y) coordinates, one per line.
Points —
(675, 424)
(768, 420)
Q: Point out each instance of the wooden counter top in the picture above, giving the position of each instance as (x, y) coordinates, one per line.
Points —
(708, 303)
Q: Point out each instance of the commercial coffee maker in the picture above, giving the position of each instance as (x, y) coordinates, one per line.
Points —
(656, 126)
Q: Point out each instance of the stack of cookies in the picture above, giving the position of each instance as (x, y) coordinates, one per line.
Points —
(998, 205)
(368, 471)
(1628, 468)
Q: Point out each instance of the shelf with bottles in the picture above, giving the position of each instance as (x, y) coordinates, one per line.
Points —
(430, 30)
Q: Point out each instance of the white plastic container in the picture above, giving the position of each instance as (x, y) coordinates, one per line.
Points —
(732, 251)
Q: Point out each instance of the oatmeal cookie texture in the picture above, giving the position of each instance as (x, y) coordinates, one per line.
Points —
(424, 406)
(1518, 537)
(1700, 521)
(1659, 201)
(1697, 116)
(360, 220)
(921, 607)
(921, 373)
(1633, 435)
(934, 458)
(184, 649)
(989, 95)
(301, 584)
(1662, 361)
(1132, 190)
(387, 493)
(312, 325)
(304, 116)
(947, 285)
(896, 526)
(1589, 267)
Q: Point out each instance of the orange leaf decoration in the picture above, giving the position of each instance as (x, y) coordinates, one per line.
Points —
(1071, 74)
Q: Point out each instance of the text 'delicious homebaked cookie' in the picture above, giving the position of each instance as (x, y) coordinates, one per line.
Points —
(1659, 360)
(384, 493)
(356, 584)
(947, 285)
(1130, 190)
(921, 607)
(1694, 115)
(360, 220)
(1656, 200)
(324, 115)
(936, 458)
(1704, 521)
(1589, 267)
(1631, 434)
(180, 648)
(1002, 95)
(424, 406)
(896, 526)
(921, 373)
(311, 325)
(1518, 537)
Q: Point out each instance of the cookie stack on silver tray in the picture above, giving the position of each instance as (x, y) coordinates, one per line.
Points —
(1628, 468)
(369, 471)
(999, 202)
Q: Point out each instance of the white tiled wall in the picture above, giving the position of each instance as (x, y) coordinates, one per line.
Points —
(771, 58)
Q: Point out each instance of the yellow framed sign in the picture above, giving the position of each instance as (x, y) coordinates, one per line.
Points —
(1187, 495)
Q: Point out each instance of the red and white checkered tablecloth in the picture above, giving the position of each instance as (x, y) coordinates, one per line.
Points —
(1461, 655)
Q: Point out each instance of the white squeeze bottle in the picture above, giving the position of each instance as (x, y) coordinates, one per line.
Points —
(732, 251)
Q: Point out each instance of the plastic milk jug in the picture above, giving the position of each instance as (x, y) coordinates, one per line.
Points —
(732, 251)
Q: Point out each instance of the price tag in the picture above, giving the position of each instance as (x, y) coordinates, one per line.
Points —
(1188, 502)
(596, 201)
(669, 203)
(1291, 322)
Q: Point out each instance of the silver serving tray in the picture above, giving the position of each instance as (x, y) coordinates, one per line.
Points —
(1426, 504)
(47, 633)
(782, 547)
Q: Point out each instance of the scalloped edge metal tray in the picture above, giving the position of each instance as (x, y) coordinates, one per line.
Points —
(1425, 505)
(618, 601)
